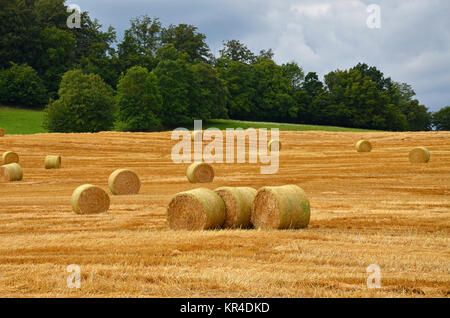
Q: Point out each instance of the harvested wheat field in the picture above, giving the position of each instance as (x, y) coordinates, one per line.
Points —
(366, 208)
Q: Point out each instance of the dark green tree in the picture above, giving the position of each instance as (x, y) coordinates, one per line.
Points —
(139, 100)
(186, 39)
(85, 104)
(236, 51)
(140, 43)
(441, 119)
(57, 56)
(20, 85)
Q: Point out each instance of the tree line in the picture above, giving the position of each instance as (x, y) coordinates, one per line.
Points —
(158, 77)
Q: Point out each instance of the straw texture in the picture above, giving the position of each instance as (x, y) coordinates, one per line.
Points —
(90, 199)
(10, 157)
(11, 172)
(419, 155)
(198, 209)
(283, 207)
(123, 182)
(200, 172)
(52, 162)
(363, 146)
(238, 205)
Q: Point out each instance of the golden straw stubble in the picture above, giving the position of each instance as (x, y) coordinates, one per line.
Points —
(198, 209)
(123, 182)
(363, 146)
(419, 155)
(52, 162)
(2, 132)
(200, 172)
(238, 205)
(10, 157)
(11, 172)
(90, 199)
(272, 144)
(282, 207)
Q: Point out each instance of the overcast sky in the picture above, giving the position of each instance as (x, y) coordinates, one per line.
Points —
(412, 45)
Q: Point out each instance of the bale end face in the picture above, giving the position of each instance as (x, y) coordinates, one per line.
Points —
(198, 209)
(284, 207)
(124, 182)
(90, 199)
(52, 162)
(10, 157)
(200, 172)
(11, 172)
(419, 155)
(363, 146)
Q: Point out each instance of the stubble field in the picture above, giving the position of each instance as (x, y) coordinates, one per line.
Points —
(373, 208)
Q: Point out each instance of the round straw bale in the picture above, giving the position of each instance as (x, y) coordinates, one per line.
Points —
(10, 157)
(272, 144)
(238, 205)
(123, 181)
(363, 146)
(2, 132)
(419, 155)
(52, 162)
(195, 133)
(11, 172)
(90, 199)
(283, 207)
(198, 209)
(200, 172)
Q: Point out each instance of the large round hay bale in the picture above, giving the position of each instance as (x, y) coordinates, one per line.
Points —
(283, 207)
(419, 155)
(124, 181)
(272, 145)
(10, 157)
(2, 132)
(90, 199)
(52, 162)
(195, 133)
(11, 172)
(363, 146)
(198, 209)
(200, 172)
(238, 205)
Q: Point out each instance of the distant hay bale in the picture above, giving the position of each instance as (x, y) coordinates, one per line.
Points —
(10, 157)
(272, 145)
(90, 199)
(200, 172)
(123, 182)
(419, 155)
(195, 133)
(11, 172)
(52, 162)
(283, 207)
(198, 209)
(238, 205)
(2, 132)
(363, 146)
